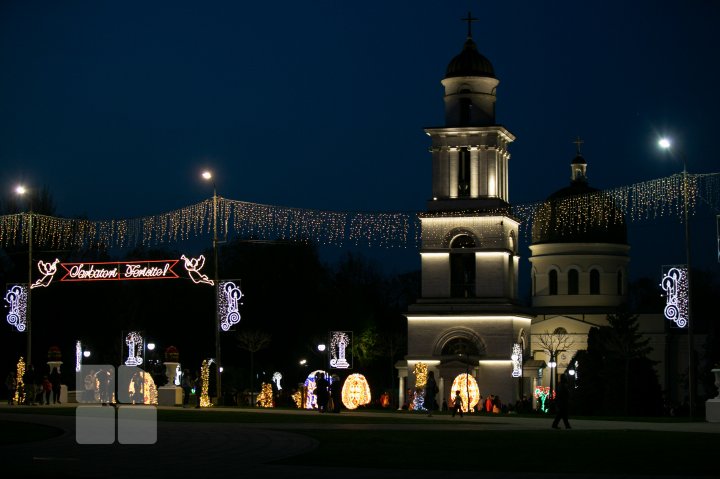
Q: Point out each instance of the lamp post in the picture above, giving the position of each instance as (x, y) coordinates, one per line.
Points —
(666, 144)
(207, 175)
(552, 364)
(22, 191)
(321, 349)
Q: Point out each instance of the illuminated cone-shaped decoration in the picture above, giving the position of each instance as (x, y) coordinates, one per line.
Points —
(355, 391)
(466, 383)
(265, 398)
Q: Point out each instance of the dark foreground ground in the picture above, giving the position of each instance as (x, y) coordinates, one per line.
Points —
(40, 442)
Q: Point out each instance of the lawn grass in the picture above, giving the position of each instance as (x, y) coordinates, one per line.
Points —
(571, 452)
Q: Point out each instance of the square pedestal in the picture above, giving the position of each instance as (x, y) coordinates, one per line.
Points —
(169, 396)
(712, 410)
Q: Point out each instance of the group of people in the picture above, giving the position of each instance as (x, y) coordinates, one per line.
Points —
(34, 388)
(328, 393)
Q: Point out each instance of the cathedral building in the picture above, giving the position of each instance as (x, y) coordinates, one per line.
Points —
(468, 318)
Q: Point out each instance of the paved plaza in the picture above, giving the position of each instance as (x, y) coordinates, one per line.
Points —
(212, 449)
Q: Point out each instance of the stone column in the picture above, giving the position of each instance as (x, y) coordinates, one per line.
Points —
(474, 172)
(453, 156)
(401, 392)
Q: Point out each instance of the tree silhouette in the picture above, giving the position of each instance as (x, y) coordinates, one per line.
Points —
(252, 341)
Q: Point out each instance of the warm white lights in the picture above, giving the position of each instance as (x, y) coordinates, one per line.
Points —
(466, 384)
(48, 271)
(664, 143)
(193, 267)
(207, 175)
(356, 391)
(20, 190)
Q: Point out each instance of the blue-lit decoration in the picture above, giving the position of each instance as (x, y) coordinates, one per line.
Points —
(675, 285)
(310, 397)
(16, 297)
(340, 349)
(229, 296)
(517, 360)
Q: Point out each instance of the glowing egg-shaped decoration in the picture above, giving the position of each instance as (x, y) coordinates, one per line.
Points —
(355, 391)
(466, 383)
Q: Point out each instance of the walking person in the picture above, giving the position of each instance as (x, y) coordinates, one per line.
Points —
(187, 384)
(55, 382)
(47, 389)
(457, 404)
(321, 392)
(431, 390)
(562, 394)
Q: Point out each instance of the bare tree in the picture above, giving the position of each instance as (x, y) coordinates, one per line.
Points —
(253, 341)
(553, 343)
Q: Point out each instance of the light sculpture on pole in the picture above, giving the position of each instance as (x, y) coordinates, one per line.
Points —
(207, 175)
(22, 191)
(666, 144)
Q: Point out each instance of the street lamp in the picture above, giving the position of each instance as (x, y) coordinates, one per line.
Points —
(21, 191)
(552, 364)
(666, 144)
(322, 348)
(86, 353)
(207, 175)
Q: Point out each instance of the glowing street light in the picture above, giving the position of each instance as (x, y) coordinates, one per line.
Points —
(21, 190)
(151, 346)
(86, 353)
(208, 176)
(666, 144)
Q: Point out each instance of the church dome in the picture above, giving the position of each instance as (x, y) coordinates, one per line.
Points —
(470, 62)
(575, 215)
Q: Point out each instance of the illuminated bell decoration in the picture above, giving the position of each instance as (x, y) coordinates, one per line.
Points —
(675, 284)
(466, 383)
(265, 398)
(355, 391)
(16, 297)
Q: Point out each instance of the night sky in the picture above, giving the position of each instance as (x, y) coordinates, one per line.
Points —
(117, 107)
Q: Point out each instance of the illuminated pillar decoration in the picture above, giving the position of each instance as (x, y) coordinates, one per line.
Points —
(48, 271)
(205, 383)
(675, 284)
(17, 296)
(356, 391)
(265, 398)
(420, 373)
(310, 397)
(466, 384)
(134, 343)
(276, 377)
(517, 361)
(542, 393)
(78, 357)
(19, 383)
(193, 267)
(339, 347)
(228, 304)
(178, 375)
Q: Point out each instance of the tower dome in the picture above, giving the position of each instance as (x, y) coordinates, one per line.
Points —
(470, 63)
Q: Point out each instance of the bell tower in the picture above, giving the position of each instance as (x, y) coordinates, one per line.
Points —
(468, 317)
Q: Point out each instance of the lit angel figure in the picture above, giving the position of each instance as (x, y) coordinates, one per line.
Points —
(193, 267)
(16, 296)
(276, 379)
(134, 342)
(48, 271)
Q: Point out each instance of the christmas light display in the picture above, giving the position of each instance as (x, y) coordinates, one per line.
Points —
(420, 373)
(542, 393)
(297, 397)
(276, 377)
(205, 383)
(265, 398)
(16, 297)
(339, 347)
(178, 376)
(134, 341)
(517, 361)
(48, 271)
(310, 397)
(228, 304)
(675, 285)
(142, 386)
(193, 267)
(640, 201)
(355, 391)
(78, 356)
(19, 383)
(466, 384)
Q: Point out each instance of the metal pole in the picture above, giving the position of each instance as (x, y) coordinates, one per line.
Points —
(691, 373)
(218, 363)
(29, 289)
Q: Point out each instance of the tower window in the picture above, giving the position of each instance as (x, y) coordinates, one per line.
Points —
(553, 282)
(464, 172)
(462, 267)
(573, 282)
(465, 111)
(594, 281)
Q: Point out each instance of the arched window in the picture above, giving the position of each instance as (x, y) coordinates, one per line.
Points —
(619, 283)
(553, 282)
(560, 330)
(460, 346)
(462, 267)
(594, 281)
(573, 281)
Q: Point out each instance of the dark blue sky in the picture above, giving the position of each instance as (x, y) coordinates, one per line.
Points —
(117, 106)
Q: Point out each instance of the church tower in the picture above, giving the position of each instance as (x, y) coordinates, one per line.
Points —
(468, 317)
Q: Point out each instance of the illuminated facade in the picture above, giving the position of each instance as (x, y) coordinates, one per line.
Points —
(467, 318)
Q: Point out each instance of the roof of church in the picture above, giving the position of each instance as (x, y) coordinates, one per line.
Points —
(578, 160)
(470, 62)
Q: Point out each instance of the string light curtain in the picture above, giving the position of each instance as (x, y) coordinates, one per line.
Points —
(640, 201)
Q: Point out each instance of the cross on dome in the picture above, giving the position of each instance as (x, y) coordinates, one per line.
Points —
(469, 21)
